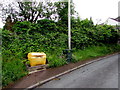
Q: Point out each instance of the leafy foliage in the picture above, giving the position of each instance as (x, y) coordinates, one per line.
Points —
(51, 37)
(85, 33)
(12, 71)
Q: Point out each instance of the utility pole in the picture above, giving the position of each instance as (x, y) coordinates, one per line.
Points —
(68, 51)
(69, 25)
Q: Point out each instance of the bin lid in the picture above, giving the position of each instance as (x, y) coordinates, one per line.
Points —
(36, 54)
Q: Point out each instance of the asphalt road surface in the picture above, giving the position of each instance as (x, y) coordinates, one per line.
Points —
(100, 74)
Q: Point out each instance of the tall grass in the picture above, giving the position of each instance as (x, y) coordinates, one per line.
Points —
(94, 51)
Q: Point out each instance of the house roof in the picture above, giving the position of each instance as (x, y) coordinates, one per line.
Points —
(116, 19)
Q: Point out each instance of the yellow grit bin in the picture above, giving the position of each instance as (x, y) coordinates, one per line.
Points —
(37, 58)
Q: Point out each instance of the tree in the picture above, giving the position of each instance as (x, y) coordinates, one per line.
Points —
(33, 11)
(8, 9)
(28, 11)
(62, 11)
(9, 24)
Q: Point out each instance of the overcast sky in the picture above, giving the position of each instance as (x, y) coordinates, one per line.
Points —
(99, 10)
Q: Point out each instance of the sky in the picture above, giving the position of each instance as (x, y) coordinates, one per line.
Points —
(1, 24)
(99, 10)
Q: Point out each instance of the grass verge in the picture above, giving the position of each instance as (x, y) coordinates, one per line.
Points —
(94, 51)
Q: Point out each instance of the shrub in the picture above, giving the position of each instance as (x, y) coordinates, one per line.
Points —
(22, 27)
(46, 26)
(12, 70)
(51, 37)
(85, 34)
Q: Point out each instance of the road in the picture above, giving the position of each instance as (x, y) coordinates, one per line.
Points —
(100, 74)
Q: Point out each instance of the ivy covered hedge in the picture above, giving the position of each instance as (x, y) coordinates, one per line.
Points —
(85, 33)
(49, 37)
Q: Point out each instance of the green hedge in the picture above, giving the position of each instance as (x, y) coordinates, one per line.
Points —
(85, 33)
(49, 37)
